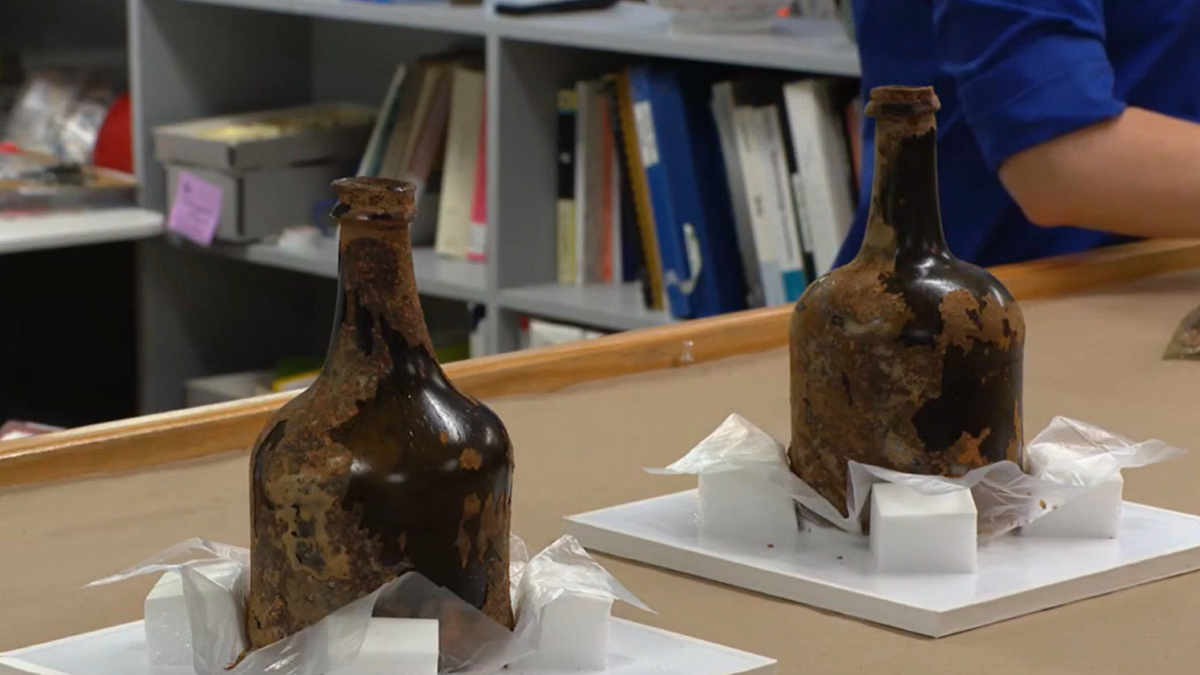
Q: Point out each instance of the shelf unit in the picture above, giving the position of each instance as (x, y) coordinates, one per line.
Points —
(63, 229)
(194, 58)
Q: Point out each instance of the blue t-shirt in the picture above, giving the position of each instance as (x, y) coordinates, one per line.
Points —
(1012, 74)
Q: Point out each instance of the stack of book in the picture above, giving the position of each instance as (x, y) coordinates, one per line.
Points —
(716, 196)
(431, 132)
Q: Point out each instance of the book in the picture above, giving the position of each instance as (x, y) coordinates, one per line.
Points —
(413, 103)
(427, 140)
(650, 267)
(780, 170)
(776, 239)
(609, 197)
(820, 156)
(477, 232)
(385, 126)
(461, 160)
(686, 176)
(565, 204)
(627, 248)
(723, 106)
(805, 218)
(854, 131)
(589, 185)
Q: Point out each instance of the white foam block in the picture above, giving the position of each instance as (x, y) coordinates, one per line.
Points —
(574, 635)
(408, 646)
(1095, 514)
(922, 534)
(745, 506)
(168, 631)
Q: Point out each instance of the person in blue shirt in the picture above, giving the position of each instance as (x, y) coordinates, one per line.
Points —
(1065, 124)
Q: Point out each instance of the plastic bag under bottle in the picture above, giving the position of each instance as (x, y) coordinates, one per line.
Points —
(469, 640)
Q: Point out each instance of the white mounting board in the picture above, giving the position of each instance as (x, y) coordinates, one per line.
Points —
(634, 649)
(832, 570)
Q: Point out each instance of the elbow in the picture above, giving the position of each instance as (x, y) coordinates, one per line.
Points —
(1042, 192)
(1044, 208)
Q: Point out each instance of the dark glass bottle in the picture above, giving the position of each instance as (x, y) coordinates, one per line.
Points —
(382, 466)
(907, 357)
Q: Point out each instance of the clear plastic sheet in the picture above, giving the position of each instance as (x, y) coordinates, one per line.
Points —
(1068, 457)
(469, 642)
(1076, 453)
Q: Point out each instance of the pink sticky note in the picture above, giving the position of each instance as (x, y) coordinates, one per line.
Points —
(196, 209)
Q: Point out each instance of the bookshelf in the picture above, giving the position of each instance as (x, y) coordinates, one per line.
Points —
(60, 230)
(196, 58)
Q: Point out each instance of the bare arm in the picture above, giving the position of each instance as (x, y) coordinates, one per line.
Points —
(1137, 174)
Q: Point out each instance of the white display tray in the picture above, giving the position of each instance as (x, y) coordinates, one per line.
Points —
(634, 650)
(831, 570)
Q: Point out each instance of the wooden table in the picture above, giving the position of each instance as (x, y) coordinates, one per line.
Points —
(586, 418)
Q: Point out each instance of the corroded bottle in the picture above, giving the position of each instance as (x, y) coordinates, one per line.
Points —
(382, 466)
(907, 357)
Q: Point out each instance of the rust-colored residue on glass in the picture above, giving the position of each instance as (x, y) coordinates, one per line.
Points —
(905, 358)
(382, 466)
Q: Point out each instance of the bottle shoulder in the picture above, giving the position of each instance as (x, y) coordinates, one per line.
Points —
(928, 296)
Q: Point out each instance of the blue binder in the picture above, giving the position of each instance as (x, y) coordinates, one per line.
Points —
(688, 192)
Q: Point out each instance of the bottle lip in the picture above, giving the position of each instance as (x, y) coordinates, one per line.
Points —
(367, 199)
(902, 101)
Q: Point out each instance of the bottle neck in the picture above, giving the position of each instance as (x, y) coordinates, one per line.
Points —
(905, 219)
(378, 307)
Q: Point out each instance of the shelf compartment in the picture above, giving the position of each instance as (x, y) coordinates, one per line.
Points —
(801, 45)
(77, 228)
(606, 306)
(439, 16)
(436, 276)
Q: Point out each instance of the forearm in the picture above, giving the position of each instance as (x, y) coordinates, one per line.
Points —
(1138, 174)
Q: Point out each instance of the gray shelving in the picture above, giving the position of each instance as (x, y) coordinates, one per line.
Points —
(604, 306)
(196, 58)
(436, 276)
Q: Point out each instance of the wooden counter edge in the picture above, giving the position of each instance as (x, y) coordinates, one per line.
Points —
(197, 432)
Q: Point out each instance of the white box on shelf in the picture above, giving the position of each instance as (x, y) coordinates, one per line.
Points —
(1095, 513)
(912, 533)
(743, 505)
(408, 646)
(832, 570)
(574, 635)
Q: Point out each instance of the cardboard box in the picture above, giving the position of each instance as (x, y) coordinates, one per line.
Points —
(273, 167)
(258, 204)
(199, 143)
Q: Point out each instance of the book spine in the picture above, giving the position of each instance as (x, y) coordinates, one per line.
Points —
(567, 104)
(677, 280)
(766, 235)
(805, 219)
(461, 145)
(373, 156)
(477, 233)
(650, 268)
(607, 183)
(791, 255)
(723, 111)
(582, 194)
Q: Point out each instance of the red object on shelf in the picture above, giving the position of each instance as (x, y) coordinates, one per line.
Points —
(114, 145)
